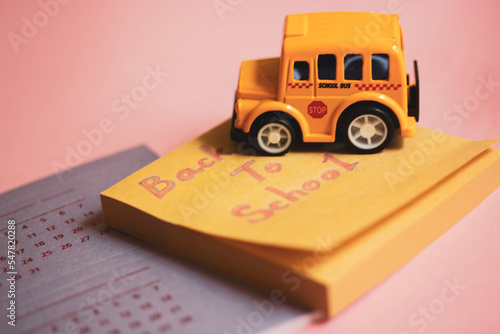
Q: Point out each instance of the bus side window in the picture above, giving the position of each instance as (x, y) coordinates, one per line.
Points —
(301, 70)
(327, 67)
(380, 66)
(353, 67)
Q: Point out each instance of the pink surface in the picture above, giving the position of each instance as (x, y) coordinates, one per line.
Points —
(67, 76)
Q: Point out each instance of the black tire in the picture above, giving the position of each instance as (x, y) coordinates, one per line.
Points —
(273, 136)
(367, 129)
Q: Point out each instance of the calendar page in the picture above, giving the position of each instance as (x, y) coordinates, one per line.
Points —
(64, 271)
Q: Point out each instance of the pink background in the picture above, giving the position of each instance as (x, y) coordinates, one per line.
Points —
(64, 77)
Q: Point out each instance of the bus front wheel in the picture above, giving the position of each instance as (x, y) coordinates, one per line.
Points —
(275, 137)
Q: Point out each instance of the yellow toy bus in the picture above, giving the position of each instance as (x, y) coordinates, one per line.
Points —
(340, 76)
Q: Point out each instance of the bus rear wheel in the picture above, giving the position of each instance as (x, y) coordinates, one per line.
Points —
(368, 130)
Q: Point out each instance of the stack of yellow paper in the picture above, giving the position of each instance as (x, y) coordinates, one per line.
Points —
(318, 228)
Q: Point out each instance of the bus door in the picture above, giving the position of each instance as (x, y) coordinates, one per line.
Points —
(328, 92)
(300, 84)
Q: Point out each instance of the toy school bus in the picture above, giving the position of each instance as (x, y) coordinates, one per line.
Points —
(340, 76)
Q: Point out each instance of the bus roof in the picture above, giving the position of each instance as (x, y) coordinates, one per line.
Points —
(351, 30)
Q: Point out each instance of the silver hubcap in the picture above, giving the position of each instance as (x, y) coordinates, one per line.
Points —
(274, 138)
(367, 132)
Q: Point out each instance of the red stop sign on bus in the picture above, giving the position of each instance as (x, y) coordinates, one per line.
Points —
(317, 109)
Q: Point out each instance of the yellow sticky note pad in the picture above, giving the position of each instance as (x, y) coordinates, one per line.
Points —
(322, 227)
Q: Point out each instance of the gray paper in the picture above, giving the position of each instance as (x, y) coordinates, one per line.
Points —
(76, 275)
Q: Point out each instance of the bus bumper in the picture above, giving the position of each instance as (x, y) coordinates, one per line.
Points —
(236, 134)
(414, 98)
